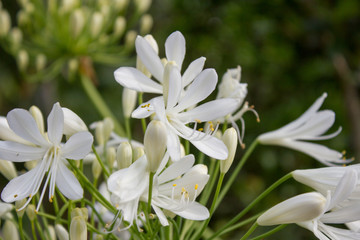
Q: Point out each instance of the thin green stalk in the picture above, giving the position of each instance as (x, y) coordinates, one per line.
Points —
(252, 204)
(200, 158)
(103, 167)
(99, 103)
(143, 121)
(128, 128)
(40, 230)
(214, 172)
(212, 208)
(51, 217)
(61, 212)
(21, 230)
(187, 147)
(55, 203)
(272, 231)
(242, 223)
(33, 230)
(236, 171)
(151, 179)
(250, 231)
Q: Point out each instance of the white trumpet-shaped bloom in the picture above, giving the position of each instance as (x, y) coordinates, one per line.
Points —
(310, 126)
(175, 189)
(50, 152)
(313, 211)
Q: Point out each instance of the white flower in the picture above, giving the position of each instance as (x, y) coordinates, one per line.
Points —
(314, 212)
(311, 125)
(50, 152)
(175, 189)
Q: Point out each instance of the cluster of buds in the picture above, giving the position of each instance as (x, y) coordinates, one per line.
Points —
(60, 34)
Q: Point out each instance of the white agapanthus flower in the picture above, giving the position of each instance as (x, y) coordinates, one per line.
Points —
(175, 189)
(50, 152)
(230, 87)
(310, 126)
(314, 212)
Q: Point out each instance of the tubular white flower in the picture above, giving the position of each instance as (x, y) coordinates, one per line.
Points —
(50, 153)
(230, 140)
(311, 125)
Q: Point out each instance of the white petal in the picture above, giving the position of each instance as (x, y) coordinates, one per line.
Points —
(21, 186)
(17, 152)
(24, 125)
(172, 84)
(194, 211)
(176, 169)
(161, 215)
(5, 208)
(201, 88)
(78, 146)
(72, 122)
(212, 147)
(343, 215)
(55, 123)
(149, 58)
(7, 134)
(144, 110)
(193, 70)
(134, 79)
(173, 146)
(210, 110)
(175, 48)
(67, 183)
(345, 187)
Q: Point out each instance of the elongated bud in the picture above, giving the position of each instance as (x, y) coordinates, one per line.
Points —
(119, 26)
(72, 123)
(170, 73)
(130, 39)
(61, 232)
(5, 208)
(22, 60)
(110, 156)
(142, 5)
(146, 23)
(78, 230)
(40, 62)
(138, 153)
(303, 207)
(16, 38)
(23, 18)
(10, 231)
(68, 5)
(96, 168)
(18, 205)
(80, 212)
(39, 119)
(73, 66)
(155, 144)
(230, 140)
(128, 101)
(97, 21)
(77, 21)
(52, 232)
(30, 212)
(99, 136)
(99, 237)
(108, 128)
(124, 155)
(5, 23)
(7, 169)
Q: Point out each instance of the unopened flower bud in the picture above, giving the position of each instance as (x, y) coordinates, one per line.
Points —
(124, 155)
(73, 66)
(8, 169)
(303, 207)
(142, 5)
(155, 144)
(40, 62)
(29, 7)
(31, 164)
(138, 153)
(99, 136)
(19, 204)
(23, 18)
(77, 22)
(110, 156)
(16, 38)
(10, 231)
(61, 232)
(30, 212)
(22, 60)
(108, 128)
(39, 119)
(52, 232)
(97, 21)
(128, 101)
(5, 23)
(68, 5)
(5, 208)
(78, 230)
(146, 23)
(80, 212)
(72, 123)
(119, 5)
(130, 39)
(96, 168)
(230, 140)
(99, 237)
(119, 26)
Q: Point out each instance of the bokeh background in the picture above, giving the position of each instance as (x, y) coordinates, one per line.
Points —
(290, 53)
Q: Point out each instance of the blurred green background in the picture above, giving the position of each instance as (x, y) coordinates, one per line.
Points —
(290, 53)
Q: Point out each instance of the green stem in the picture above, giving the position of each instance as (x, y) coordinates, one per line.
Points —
(236, 171)
(272, 231)
(250, 231)
(99, 103)
(214, 172)
(21, 230)
(40, 229)
(143, 121)
(103, 167)
(252, 204)
(33, 230)
(242, 223)
(212, 208)
(128, 128)
(52, 217)
(151, 179)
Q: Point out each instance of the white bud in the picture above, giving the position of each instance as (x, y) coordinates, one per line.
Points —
(146, 23)
(80, 212)
(23, 18)
(99, 237)
(78, 230)
(77, 22)
(61, 232)
(29, 7)
(124, 155)
(8, 169)
(19, 204)
(39, 119)
(30, 212)
(110, 156)
(73, 66)
(230, 140)
(99, 136)
(68, 5)
(72, 122)
(142, 5)
(130, 39)
(5, 208)
(97, 20)
(119, 26)
(128, 101)
(23, 60)
(155, 144)
(10, 231)
(40, 62)
(170, 72)
(138, 153)
(5, 23)
(96, 168)
(303, 207)
(119, 5)
(52, 232)
(108, 128)
(16, 37)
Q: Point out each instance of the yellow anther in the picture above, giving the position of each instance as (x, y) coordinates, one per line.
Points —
(258, 120)
(36, 212)
(15, 195)
(343, 152)
(183, 190)
(198, 120)
(116, 205)
(196, 186)
(174, 185)
(30, 196)
(201, 129)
